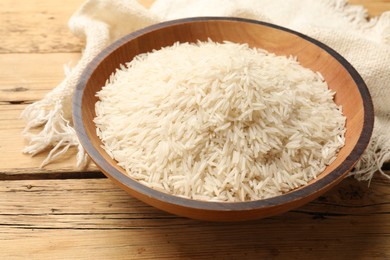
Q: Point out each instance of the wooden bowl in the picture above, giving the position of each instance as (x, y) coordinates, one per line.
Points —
(351, 93)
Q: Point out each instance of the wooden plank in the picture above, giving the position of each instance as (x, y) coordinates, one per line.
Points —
(37, 26)
(21, 80)
(93, 219)
(374, 7)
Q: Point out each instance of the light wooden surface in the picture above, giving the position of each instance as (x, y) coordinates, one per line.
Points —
(62, 213)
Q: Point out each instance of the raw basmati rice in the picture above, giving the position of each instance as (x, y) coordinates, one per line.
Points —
(219, 121)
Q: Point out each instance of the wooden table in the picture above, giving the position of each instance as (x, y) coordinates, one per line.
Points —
(62, 213)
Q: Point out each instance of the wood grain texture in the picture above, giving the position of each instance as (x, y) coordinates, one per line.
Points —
(21, 84)
(37, 26)
(94, 219)
(374, 7)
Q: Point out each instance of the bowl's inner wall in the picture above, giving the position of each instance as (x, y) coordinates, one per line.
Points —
(256, 35)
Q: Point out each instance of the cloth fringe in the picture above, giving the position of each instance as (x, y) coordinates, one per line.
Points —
(52, 115)
(376, 153)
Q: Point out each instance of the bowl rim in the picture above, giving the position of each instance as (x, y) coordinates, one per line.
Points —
(289, 197)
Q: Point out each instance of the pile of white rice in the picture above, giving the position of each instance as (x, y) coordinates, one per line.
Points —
(219, 122)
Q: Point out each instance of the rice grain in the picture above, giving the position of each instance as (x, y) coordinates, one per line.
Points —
(219, 121)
